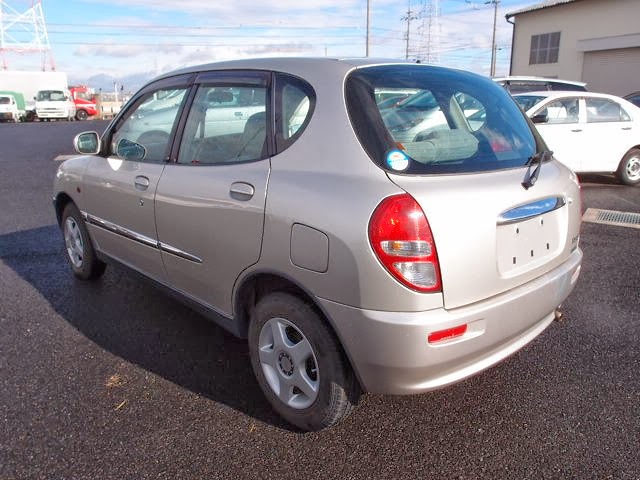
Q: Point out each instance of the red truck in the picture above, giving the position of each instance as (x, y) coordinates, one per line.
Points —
(85, 101)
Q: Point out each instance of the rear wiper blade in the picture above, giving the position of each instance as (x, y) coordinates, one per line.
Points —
(532, 176)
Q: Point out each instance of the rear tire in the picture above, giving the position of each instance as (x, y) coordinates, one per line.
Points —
(299, 364)
(80, 253)
(629, 169)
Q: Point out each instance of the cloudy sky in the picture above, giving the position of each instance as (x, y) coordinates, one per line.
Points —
(140, 38)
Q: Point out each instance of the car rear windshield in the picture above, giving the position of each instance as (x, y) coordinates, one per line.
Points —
(454, 122)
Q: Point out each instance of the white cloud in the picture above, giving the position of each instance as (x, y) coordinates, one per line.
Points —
(222, 30)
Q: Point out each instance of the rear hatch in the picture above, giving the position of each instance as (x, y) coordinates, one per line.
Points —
(501, 211)
(491, 234)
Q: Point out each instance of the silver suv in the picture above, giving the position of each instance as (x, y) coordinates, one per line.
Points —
(353, 256)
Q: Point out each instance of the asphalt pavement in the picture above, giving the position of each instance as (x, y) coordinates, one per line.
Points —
(115, 380)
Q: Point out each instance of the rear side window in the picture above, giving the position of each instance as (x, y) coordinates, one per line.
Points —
(456, 122)
(226, 124)
(295, 102)
(605, 110)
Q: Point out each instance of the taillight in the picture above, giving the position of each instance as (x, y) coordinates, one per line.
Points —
(401, 238)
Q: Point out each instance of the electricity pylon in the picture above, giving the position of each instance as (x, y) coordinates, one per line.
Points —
(24, 33)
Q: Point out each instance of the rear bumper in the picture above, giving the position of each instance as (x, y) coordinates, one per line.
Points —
(390, 353)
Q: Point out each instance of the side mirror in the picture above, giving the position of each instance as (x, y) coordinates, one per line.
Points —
(130, 150)
(542, 117)
(87, 143)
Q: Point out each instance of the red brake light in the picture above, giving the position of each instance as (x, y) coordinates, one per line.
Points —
(401, 238)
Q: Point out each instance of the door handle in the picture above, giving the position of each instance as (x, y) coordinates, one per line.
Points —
(577, 130)
(242, 191)
(141, 182)
(626, 128)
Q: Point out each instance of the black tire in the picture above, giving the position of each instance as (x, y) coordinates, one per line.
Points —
(79, 249)
(337, 390)
(629, 169)
(81, 115)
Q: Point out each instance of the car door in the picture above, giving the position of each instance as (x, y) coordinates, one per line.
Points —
(608, 133)
(563, 130)
(120, 186)
(210, 200)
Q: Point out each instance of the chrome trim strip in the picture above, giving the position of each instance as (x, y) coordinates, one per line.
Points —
(137, 237)
(530, 210)
(125, 232)
(179, 253)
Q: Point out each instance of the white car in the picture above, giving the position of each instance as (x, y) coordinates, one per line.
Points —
(588, 132)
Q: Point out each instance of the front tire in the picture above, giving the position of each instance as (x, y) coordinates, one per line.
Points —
(629, 169)
(81, 115)
(299, 364)
(80, 253)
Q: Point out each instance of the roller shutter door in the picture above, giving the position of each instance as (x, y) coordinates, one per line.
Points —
(612, 71)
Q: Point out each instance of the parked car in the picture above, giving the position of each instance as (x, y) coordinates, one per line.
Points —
(351, 261)
(519, 84)
(633, 98)
(588, 132)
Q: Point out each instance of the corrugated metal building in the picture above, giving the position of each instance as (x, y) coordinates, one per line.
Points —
(594, 41)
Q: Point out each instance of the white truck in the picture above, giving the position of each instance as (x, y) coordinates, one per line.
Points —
(55, 105)
(9, 111)
(30, 83)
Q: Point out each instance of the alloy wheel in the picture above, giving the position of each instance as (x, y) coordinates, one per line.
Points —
(73, 242)
(289, 363)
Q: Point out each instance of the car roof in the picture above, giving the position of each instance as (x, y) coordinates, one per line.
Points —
(538, 79)
(291, 65)
(316, 70)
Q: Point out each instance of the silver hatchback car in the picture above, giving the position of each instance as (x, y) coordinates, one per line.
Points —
(356, 252)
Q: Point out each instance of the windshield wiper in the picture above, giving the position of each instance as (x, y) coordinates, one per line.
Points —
(531, 177)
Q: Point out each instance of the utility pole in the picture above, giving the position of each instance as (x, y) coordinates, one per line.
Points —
(493, 38)
(408, 17)
(368, 21)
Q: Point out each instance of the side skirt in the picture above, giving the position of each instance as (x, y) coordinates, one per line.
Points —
(209, 313)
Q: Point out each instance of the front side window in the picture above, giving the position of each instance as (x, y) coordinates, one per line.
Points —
(544, 48)
(455, 122)
(605, 110)
(145, 130)
(225, 125)
(564, 110)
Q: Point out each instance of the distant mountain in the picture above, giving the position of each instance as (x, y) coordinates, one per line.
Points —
(128, 83)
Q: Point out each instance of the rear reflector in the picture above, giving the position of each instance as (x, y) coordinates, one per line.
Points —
(448, 334)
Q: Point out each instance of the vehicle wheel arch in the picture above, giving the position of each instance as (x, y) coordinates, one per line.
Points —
(61, 201)
(257, 285)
